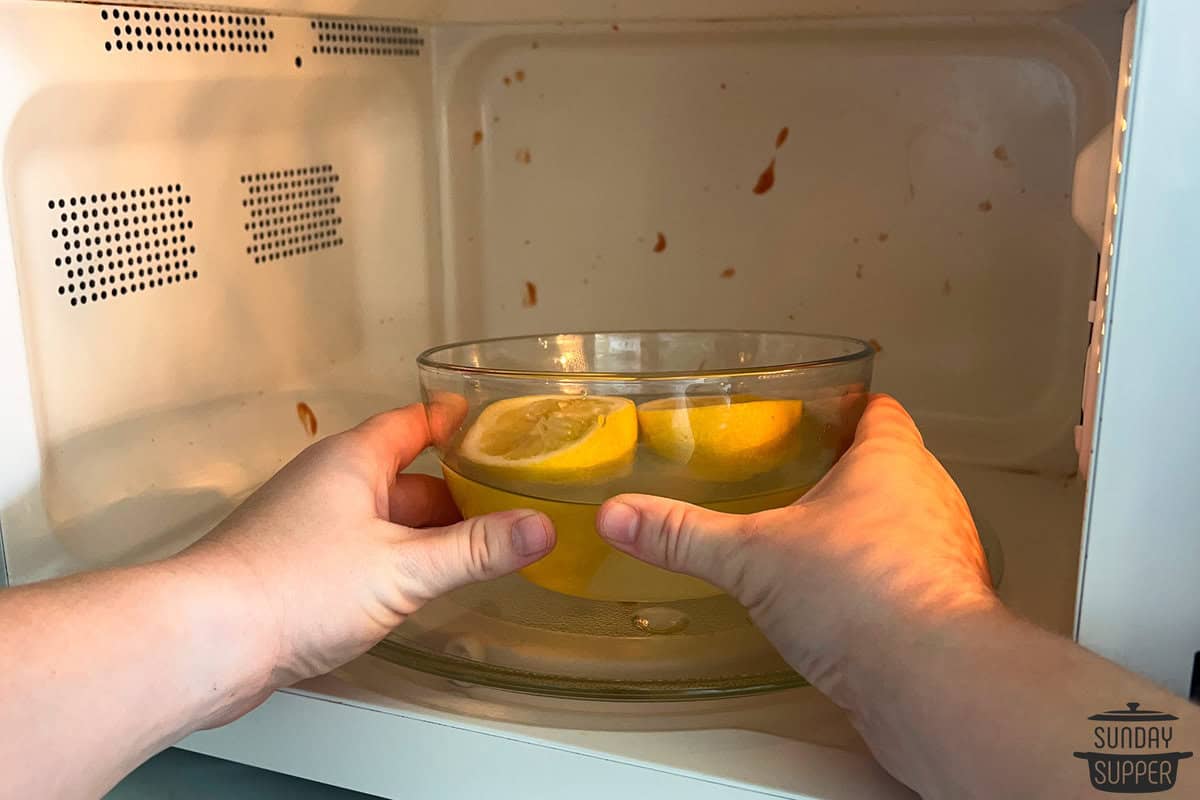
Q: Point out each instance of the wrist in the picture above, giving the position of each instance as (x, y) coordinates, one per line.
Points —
(227, 653)
(885, 659)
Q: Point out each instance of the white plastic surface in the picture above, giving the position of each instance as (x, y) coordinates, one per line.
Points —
(154, 412)
(482, 11)
(921, 199)
(1138, 598)
(1097, 309)
(707, 749)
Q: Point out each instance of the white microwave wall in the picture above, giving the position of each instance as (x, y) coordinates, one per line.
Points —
(334, 194)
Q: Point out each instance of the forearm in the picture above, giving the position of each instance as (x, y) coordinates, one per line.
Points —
(988, 705)
(100, 671)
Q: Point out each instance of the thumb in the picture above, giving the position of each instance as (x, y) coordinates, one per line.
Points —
(440, 560)
(679, 536)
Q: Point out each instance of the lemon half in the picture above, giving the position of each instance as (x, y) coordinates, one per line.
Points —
(722, 438)
(554, 438)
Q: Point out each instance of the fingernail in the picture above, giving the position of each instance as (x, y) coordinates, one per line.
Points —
(530, 535)
(619, 523)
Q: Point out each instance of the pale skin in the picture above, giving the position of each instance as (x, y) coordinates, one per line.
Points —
(873, 586)
(100, 671)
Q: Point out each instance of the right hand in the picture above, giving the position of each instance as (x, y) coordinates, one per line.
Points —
(882, 547)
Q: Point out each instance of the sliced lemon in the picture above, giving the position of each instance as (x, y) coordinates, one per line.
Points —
(554, 438)
(722, 438)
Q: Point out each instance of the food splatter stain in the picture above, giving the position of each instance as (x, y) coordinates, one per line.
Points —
(523, 155)
(858, 271)
(792, 317)
(728, 272)
(854, 239)
(1000, 153)
(875, 345)
(946, 289)
(985, 206)
(616, 27)
(883, 237)
(660, 243)
(529, 298)
(534, 45)
(476, 138)
(307, 418)
(519, 75)
(723, 85)
(766, 180)
(507, 80)
(781, 137)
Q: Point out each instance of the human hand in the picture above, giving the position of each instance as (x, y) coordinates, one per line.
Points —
(884, 544)
(338, 549)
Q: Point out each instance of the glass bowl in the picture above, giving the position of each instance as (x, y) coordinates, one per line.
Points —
(733, 420)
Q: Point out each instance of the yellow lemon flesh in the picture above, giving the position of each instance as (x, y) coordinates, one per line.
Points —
(554, 438)
(722, 438)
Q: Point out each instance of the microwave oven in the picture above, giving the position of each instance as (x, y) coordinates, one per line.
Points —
(1000, 196)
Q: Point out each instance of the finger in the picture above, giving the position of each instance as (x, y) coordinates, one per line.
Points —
(421, 501)
(447, 410)
(396, 437)
(885, 418)
(677, 536)
(477, 549)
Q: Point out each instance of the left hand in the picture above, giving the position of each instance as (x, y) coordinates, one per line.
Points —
(338, 548)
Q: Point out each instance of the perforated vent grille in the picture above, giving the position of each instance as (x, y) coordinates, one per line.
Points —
(121, 242)
(144, 30)
(292, 211)
(339, 38)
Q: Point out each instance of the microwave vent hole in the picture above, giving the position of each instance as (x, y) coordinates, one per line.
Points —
(341, 38)
(114, 243)
(291, 211)
(145, 30)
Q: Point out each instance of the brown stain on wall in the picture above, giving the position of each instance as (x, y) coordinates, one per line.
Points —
(766, 180)
(307, 418)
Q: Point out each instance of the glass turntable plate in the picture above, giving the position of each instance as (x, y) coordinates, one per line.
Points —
(512, 634)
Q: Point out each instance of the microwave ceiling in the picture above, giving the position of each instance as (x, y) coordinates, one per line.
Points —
(490, 11)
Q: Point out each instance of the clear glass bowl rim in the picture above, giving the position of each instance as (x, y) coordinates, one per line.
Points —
(428, 359)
